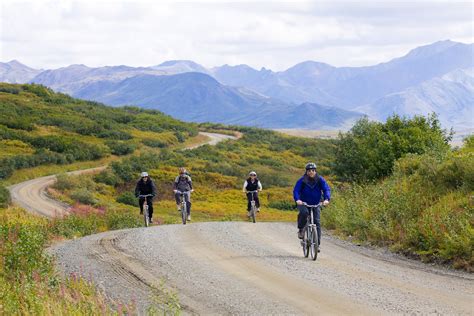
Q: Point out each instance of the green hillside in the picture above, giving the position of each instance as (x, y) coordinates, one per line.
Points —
(38, 127)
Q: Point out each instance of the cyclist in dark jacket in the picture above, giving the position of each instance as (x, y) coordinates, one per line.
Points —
(309, 189)
(146, 186)
(252, 184)
(183, 183)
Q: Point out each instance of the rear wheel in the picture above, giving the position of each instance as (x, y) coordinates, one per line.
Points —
(146, 219)
(305, 242)
(184, 213)
(314, 244)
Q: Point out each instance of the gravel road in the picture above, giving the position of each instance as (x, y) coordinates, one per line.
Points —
(253, 269)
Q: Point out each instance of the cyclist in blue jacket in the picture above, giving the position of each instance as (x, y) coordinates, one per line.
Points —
(309, 189)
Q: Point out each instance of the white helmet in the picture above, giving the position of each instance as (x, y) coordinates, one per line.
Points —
(252, 173)
(144, 174)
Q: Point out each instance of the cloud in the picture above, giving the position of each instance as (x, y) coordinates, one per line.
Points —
(276, 35)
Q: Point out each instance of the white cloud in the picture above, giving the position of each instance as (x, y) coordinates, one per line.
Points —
(276, 35)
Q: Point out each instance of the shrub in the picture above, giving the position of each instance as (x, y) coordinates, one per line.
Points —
(106, 177)
(84, 196)
(127, 198)
(368, 151)
(5, 198)
(283, 205)
(120, 148)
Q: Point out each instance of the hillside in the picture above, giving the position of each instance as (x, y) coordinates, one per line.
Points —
(39, 126)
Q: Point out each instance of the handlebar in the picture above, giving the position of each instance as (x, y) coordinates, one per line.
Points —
(252, 191)
(144, 196)
(317, 205)
(182, 192)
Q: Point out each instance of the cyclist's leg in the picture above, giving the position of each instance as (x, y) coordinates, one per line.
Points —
(140, 203)
(150, 207)
(257, 201)
(187, 198)
(317, 221)
(302, 216)
(177, 197)
(249, 200)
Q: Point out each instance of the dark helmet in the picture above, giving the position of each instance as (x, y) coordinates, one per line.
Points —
(310, 165)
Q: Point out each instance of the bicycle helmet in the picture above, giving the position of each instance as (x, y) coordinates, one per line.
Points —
(144, 174)
(182, 170)
(310, 165)
(252, 173)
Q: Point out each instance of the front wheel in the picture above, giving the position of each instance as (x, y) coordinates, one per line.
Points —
(314, 244)
(252, 213)
(146, 218)
(184, 213)
(305, 243)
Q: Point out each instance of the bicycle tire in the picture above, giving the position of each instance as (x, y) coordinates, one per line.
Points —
(305, 243)
(184, 213)
(146, 218)
(314, 244)
(253, 213)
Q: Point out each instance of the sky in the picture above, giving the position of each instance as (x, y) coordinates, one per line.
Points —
(49, 34)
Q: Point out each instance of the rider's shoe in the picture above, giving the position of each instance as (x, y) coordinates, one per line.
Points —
(151, 221)
(178, 207)
(300, 234)
(248, 213)
(319, 248)
(258, 209)
(189, 217)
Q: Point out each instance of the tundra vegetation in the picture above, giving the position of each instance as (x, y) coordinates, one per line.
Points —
(396, 184)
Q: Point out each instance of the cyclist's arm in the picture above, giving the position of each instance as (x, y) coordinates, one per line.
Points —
(244, 189)
(326, 189)
(297, 189)
(137, 190)
(153, 188)
(259, 185)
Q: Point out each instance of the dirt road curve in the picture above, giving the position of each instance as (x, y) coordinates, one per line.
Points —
(245, 268)
(31, 195)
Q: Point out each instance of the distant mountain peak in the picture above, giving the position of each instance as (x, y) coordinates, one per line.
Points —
(176, 62)
(431, 49)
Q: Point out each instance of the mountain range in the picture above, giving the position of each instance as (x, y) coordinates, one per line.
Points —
(432, 78)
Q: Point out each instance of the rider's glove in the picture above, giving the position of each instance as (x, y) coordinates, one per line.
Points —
(299, 202)
(325, 202)
(175, 191)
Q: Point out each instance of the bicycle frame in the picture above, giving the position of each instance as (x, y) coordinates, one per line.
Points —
(310, 241)
(184, 210)
(146, 217)
(253, 208)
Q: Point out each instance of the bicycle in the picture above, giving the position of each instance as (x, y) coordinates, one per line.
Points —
(253, 207)
(145, 209)
(310, 242)
(183, 207)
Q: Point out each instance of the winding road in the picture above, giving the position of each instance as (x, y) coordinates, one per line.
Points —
(243, 268)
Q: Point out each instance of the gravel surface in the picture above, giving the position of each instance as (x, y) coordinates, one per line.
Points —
(254, 269)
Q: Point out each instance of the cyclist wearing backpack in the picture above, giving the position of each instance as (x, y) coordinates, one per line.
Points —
(252, 184)
(184, 184)
(309, 189)
(146, 186)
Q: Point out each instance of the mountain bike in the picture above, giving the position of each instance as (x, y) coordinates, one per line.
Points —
(310, 242)
(183, 207)
(146, 216)
(253, 207)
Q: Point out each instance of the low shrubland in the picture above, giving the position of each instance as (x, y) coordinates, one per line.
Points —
(425, 208)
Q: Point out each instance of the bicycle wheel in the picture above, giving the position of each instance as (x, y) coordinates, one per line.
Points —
(314, 244)
(145, 216)
(305, 242)
(253, 213)
(184, 213)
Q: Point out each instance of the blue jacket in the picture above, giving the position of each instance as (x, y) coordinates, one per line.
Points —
(311, 191)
